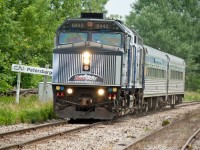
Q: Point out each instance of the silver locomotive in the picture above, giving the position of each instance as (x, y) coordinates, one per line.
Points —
(102, 70)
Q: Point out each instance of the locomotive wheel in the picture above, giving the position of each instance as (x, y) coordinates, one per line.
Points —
(119, 107)
(172, 106)
(146, 106)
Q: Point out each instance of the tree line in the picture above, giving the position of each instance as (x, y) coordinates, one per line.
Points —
(173, 26)
(28, 28)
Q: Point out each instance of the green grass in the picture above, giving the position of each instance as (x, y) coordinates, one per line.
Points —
(192, 96)
(29, 110)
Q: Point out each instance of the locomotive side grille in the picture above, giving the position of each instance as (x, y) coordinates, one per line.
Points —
(65, 66)
(105, 66)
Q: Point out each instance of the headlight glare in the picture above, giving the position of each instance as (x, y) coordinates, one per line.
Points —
(69, 91)
(86, 61)
(101, 92)
(86, 55)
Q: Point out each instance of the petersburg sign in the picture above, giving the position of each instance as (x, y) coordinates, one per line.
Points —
(30, 69)
(34, 70)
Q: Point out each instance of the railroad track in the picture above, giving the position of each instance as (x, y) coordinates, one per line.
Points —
(188, 103)
(167, 108)
(32, 128)
(191, 141)
(41, 138)
(172, 136)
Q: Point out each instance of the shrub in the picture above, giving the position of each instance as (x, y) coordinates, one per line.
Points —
(165, 122)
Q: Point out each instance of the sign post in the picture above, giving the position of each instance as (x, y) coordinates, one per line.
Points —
(33, 70)
(18, 84)
(44, 92)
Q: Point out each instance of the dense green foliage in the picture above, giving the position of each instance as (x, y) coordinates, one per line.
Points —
(174, 27)
(27, 32)
(30, 110)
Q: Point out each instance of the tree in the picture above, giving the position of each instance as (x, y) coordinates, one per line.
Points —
(173, 26)
(27, 32)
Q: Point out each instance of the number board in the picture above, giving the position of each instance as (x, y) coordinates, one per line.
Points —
(78, 25)
(92, 25)
(102, 25)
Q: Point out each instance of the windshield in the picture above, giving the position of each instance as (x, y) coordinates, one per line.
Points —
(107, 38)
(69, 37)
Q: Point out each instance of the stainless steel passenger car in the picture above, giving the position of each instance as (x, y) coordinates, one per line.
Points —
(164, 78)
(102, 70)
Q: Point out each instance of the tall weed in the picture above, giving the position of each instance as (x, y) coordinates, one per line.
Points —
(192, 96)
(29, 110)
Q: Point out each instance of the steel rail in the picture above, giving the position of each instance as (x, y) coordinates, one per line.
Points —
(191, 140)
(187, 103)
(32, 128)
(20, 145)
(131, 146)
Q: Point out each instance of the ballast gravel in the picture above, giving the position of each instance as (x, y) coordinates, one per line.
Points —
(115, 136)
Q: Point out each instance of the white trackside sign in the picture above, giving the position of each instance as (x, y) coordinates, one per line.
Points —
(30, 69)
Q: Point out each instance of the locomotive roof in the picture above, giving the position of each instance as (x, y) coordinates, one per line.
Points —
(119, 23)
(122, 29)
(161, 54)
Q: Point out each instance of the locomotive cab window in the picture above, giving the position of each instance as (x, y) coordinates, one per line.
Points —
(114, 39)
(72, 37)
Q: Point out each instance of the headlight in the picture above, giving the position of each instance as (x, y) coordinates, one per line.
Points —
(86, 68)
(86, 61)
(86, 55)
(86, 58)
(101, 92)
(69, 91)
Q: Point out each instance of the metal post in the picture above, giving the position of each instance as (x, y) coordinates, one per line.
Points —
(18, 84)
(44, 92)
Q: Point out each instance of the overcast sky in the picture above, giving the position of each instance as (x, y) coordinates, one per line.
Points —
(120, 7)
